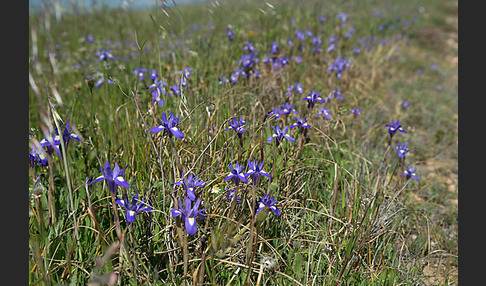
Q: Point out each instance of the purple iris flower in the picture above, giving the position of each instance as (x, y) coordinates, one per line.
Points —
(331, 47)
(276, 111)
(286, 108)
(189, 214)
(153, 74)
(297, 59)
(297, 87)
(274, 48)
(324, 112)
(157, 89)
(312, 98)
(349, 33)
(338, 66)
(268, 203)
(336, 93)
(237, 174)
(67, 134)
(301, 123)
(234, 76)
(255, 170)
(248, 63)
(113, 177)
(189, 184)
(37, 155)
(300, 35)
(316, 44)
(222, 80)
(187, 72)
(175, 90)
(134, 207)
(169, 126)
(89, 39)
(290, 42)
(402, 149)
(355, 111)
(140, 72)
(50, 145)
(104, 55)
(237, 126)
(230, 194)
(33, 160)
(342, 17)
(393, 127)
(249, 47)
(229, 33)
(101, 81)
(279, 135)
(405, 104)
(410, 173)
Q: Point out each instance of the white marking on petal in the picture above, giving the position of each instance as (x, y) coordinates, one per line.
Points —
(191, 221)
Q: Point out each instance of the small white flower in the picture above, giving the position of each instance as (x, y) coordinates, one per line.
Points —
(215, 189)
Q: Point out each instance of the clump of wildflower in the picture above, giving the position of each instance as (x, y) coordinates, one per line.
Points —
(104, 55)
(237, 174)
(267, 203)
(301, 123)
(49, 144)
(313, 98)
(190, 215)
(189, 184)
(222, 80)
(332, 44)
(229, 33)
(174, 90)
(153, 74)
(343, 17)
(169, 126)
(355, 111)
(410, 173)
(37, 156)
(133, 207)
(255, 171)
(237, 126)
(336, 93)
(279, 135)
(140, 72)
(316, 45)
(402, 149)
(275, 112)
(286, 108)
(230, 194)
(297, 87)
(393, 127)
(101, 80)
(113, 177)
(53, 143)
(324, 112)
(338, 66)
(300, 35)
(158, 88)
